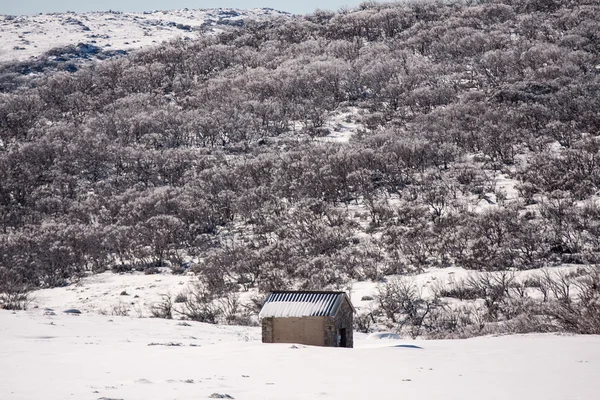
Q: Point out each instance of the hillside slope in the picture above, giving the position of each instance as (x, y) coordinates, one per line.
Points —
(316, 151)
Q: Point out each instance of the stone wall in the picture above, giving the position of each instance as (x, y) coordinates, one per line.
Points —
(330, 332)
(344, 319)
(303, 330)
(267, 330)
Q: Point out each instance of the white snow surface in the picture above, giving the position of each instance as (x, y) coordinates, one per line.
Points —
(103, 293)
(23, 37)
(91, 357)
(94, 356)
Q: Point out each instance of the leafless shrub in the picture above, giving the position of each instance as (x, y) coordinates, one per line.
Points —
(528, 322)
(163, 309)
(119, 310)
(405, 306)
(181, 297)
(233, 311)
(14, 295)
(519, 289)
(139, 312)
(582, 314)
(463, 321)
(493, 303)
(559, 285)
(200, 306)
(540, 284)
(459, 289)
(19, 300)
(365, 320)
(495, 287)
(589, 285)
(229, 307)
(255, 303)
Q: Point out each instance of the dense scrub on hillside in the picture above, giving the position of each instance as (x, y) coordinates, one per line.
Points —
(209, 153)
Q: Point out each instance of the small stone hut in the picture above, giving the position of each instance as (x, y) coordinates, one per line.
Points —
(314, 318)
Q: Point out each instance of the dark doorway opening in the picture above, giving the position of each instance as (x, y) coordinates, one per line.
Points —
(343, 338)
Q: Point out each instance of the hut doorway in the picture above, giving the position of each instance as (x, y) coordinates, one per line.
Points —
(343, 338)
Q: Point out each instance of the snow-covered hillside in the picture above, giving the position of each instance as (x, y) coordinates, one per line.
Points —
(99, 357)
(23, 37)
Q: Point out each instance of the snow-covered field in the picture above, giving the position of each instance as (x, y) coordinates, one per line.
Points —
(100, 357)
(51, 355)
(22, 37)
(104, 293)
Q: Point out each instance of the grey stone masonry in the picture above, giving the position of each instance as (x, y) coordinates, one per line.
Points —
(330, 332)
(267, 330)
(344, 319)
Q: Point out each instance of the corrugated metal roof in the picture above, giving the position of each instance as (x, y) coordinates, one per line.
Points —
(301, 304)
